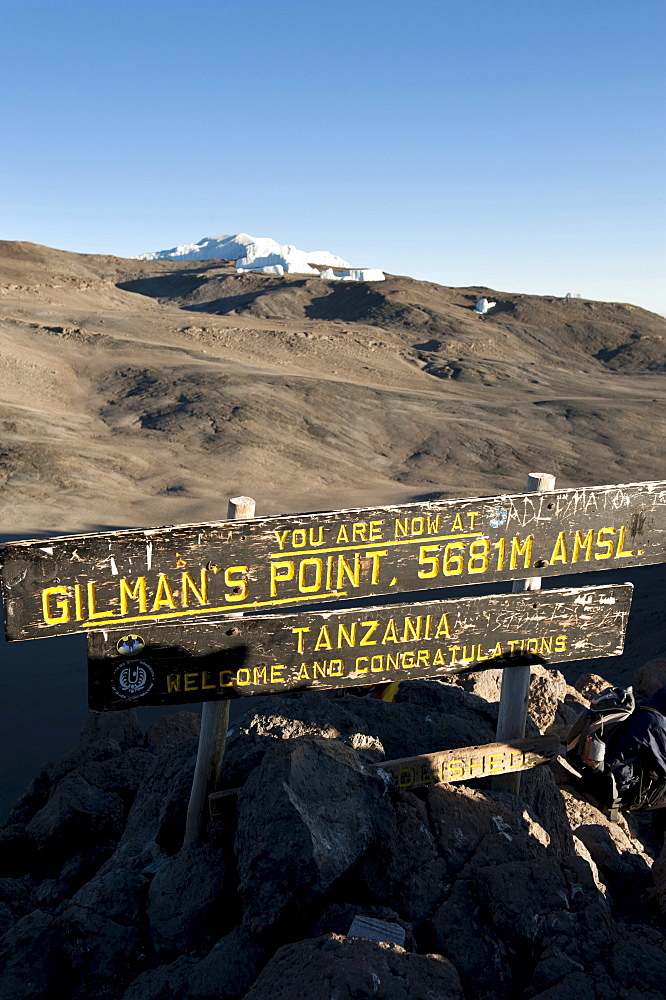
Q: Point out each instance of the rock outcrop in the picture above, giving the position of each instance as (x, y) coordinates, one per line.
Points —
(538, 896)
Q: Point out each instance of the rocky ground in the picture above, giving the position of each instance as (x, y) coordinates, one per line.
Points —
(499, 897)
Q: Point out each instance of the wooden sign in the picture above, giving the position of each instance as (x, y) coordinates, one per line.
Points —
(447, 766)
(131, 578)
(472, 762)
(211, 661)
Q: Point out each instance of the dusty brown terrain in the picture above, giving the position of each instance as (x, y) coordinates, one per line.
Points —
(147, 392)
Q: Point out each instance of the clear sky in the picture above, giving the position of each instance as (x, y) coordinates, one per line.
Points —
(517, 144)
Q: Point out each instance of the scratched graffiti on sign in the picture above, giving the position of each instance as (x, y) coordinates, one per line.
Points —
(86, 582)
(206, 661)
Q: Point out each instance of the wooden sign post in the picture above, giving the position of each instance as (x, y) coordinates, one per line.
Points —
(213, 734)
(515, 691)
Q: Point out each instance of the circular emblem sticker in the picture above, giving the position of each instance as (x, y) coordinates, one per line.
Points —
(133, 680)
(130, 645)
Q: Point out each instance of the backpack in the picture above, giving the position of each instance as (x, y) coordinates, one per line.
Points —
(586, 742)
(586, 751)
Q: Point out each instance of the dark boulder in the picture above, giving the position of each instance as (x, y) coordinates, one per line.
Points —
(284, 718)
(76, 816)
(352, 969)
(172, 730)
(305, 816)
(28, 967)
(123, 727)
(192, 900)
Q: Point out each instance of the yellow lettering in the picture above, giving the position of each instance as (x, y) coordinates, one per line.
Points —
(371, 629)
(260, 674)
(135, 593)
(478, 556)
(492, 766)
(406, 777)
(472, 515)
(92, 604)
(243, 676)
(458, 523)
(546, 645)
(303, 674)
(376, 531)
(339, 668)
(475, 765)
(323, 639)
(401, 528)
(190, 682)
(602, 541)
(425, 557)
(422, 657)
(62, 604)
(440, 658)
(78, 602)
(361, 670)
(379, 660)
(299, 538)
(390, 634)
(343, 536)
(204, 686)
(352, 572)
(347, 636)
(443, 629)
(408, 660)
(412, 631)
(521, 759)
(276, 673)
(301, 631)
(523, 549)
(173, 683)
(559, 553)
(233, 577)
(280, 573)
(281, 537)
(456, 768)
(359, 530)
(376, 556)
(310, 588)
(163, 596)
(560, 644)
(201, 593)
(453, 563)
(497, 651)
(620, 551)
(584, 542)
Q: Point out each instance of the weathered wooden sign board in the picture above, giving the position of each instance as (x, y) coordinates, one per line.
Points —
(447, 766)
(472, 762)
(212, 661)
(84, 582)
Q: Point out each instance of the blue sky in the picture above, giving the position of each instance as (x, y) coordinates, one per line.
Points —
(517, 144)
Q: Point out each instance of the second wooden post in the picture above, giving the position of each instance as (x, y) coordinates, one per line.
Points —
(213, 735)
(515, 693)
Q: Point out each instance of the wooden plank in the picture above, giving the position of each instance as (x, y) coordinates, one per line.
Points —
(445, 766)
(210, 661)
(472, 762)
(85, 582)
